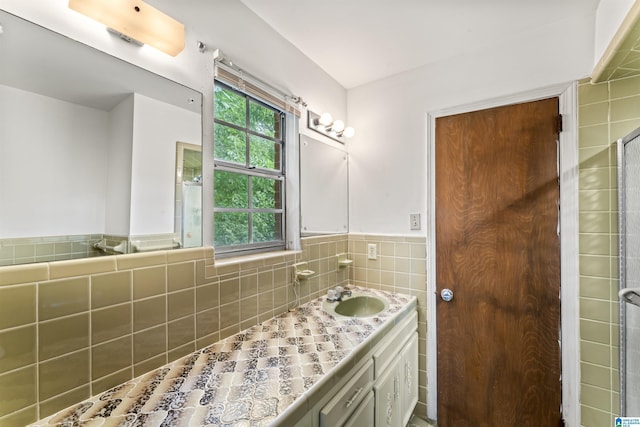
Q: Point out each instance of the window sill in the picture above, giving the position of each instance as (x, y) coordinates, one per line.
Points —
(263, 256)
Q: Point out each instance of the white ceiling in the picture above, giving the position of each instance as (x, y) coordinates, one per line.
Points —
(359, 41)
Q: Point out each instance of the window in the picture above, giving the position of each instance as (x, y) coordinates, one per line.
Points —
(248, 213)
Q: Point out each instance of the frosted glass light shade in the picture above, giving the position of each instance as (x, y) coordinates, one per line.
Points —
(325, 119)
(338, 126)
(349, 132)
(137, 20)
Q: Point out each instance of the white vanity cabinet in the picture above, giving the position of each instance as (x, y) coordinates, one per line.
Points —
(382, 390)
(396, 373)
(409, 378)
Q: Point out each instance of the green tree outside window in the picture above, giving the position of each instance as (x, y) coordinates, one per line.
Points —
(249, 173)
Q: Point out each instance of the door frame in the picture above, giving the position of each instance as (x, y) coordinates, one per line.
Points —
(569, 270)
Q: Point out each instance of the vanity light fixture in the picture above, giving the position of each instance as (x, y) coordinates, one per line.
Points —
(135, 20)
(324, 124)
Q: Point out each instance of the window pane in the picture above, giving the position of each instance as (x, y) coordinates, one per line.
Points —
(229, 106)
(267, 227)
(230, 228)
(231, 190)
(264, 120)
(264, 153)
(267, 193)
(229, 144)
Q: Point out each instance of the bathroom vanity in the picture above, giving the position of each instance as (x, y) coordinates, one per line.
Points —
(302, 368)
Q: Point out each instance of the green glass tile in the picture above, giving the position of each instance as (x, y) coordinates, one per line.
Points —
(18, 390)
(180, 304)
(110, 323)
(63, 297)
(110, 357)
(592, 93)
(110, 289)
(19, 348)
(623, 88)
(17, 305)
(595, 331)
(149, 282)
(594, 222)
(149, 343)
(21, 418)
(180, 276)
(207, 322)
(207, 297)
(593, 136)
(625, 108)
(112, 380)
(60, 336)
(593, 114)
(181, 332)
(64, 400)
(595, 397)
(595, 375)
(149, 312)
(593, 309)
(63, 374)
(623, 128)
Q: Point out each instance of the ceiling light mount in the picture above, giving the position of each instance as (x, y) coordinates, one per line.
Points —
(325, 125)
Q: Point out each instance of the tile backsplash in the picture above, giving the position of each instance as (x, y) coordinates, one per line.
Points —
(45, 249)
(72, 329)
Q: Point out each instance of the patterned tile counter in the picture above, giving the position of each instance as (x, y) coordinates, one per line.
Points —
(258, 377)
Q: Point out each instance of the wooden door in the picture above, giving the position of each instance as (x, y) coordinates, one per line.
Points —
(497, 195)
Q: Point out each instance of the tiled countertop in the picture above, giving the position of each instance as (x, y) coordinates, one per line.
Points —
(254, 378)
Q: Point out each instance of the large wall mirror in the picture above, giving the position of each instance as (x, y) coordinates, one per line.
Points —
(89, 151)
(324, 187)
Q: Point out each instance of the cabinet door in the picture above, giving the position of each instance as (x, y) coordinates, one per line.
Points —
(363, 416)
(409, 367)
(387, 397)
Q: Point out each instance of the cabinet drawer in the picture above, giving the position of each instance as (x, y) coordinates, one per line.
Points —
(346, 400)
(364, 415)
(392, 344)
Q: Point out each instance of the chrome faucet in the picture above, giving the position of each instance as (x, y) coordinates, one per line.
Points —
(337, 294)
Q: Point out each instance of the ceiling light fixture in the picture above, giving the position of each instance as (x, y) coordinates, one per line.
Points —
(324, 124)
(134, 20)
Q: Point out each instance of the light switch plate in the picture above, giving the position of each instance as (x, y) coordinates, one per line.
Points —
(414, 221)
(372, 251)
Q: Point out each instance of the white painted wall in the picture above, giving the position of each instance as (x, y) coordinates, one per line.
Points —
(157, 126)
(52, 164)
(224, 24)
(387, 171)
(609, 16)
(117, 220)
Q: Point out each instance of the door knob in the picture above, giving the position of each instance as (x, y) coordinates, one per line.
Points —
(446, 294)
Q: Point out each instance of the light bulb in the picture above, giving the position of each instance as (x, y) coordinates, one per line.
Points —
(338, 126)
(325, 119)
(349, 132)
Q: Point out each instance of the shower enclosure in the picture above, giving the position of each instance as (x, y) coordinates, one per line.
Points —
(629, 232)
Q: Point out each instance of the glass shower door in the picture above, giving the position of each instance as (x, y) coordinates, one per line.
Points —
(629, 230)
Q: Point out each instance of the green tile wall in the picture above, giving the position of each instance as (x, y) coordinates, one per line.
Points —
(102, 322)
(400, 266)
(607, 111)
